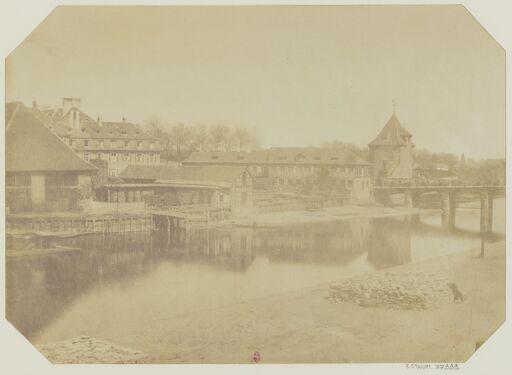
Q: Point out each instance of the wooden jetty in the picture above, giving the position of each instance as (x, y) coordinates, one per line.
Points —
(76, 224)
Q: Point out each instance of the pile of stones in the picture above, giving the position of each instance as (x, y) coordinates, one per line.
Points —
(400, 290)
(89, 350)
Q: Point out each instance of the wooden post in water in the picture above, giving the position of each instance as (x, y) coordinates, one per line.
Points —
(445, 210)
(484, 215)
(168, 229)
(490, 211)
(453, 207)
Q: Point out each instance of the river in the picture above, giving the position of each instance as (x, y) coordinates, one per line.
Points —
(117, 282)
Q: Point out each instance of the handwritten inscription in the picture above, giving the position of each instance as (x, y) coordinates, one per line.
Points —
(432, 366)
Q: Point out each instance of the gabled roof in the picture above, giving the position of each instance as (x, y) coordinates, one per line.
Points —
(279, 156)
(31, 145)
(224, 174)
(392, 134)
(91, 129)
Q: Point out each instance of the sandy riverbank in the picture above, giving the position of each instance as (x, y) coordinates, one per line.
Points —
(324, 215)
(305, 326)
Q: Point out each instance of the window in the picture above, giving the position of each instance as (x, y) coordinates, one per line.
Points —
(139, 158)
(100, 144)
(215, 157)
(112, 156)
(152, 145)
(86, 156)
(240, 157)
(126, 144)
(98, 155)
(86, 143)
(139, 145)
(113, 173)
(125, 157)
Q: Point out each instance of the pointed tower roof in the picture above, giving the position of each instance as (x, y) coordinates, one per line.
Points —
(392, 134)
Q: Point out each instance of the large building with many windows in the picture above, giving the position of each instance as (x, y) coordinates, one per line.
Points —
(120, 143)
(334, 169)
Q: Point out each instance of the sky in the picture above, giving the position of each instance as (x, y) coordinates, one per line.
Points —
(299, 75)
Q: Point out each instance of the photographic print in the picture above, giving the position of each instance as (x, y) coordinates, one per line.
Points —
(256, 184)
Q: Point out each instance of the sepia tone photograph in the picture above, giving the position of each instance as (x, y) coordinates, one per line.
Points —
(256, 185)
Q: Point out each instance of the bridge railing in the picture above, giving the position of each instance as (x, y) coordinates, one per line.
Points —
(434, 182)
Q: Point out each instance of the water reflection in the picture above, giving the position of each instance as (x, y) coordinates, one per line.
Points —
(67, 294)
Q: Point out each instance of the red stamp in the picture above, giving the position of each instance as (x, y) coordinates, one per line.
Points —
(256, 357)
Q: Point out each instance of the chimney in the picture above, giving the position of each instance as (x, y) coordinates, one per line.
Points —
(100, 122)
(124, 119)
(68, 103)
(34, 104)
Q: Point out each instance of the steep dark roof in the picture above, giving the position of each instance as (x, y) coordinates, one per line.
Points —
(392, 134)
(31, 145)
(92, 129)
(279, 155)
(10, 109)
(182, 173)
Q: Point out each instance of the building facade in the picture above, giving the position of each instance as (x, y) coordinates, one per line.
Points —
(333, 169)
(184, 185)
(391, 152)
(119, 143)
(42, 172)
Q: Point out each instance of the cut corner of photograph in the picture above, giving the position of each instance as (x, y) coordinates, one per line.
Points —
(256, 185)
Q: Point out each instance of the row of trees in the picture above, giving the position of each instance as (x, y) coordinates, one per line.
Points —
(179, 140)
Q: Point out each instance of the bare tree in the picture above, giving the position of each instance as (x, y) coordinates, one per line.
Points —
(220, 136)
(199, 138)
(241, 137)
(155, 127)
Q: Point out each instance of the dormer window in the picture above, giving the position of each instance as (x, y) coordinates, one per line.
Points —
(240, 157)
(83, 130)
(215, 157)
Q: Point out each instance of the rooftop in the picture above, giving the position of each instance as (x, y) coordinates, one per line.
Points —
(32, 145)
(95, 129)
(393, 134)
(279, 155)
(222, 174)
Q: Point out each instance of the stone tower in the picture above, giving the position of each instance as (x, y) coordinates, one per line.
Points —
(391, 151)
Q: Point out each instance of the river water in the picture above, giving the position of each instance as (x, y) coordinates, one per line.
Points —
(116, 283)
